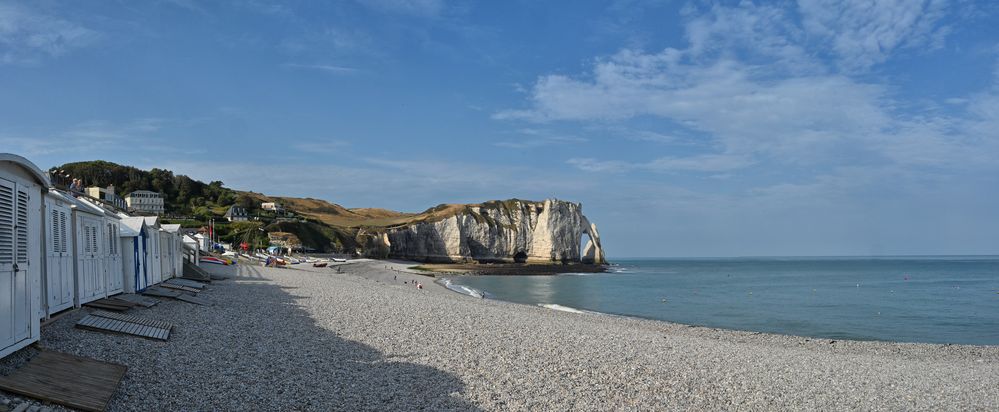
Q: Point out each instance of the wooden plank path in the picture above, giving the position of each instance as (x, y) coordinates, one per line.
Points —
(111, 304)
(186, 282)
(179, 287)
(129, 325)
(161, 292)
(65, 379)
(139, 300)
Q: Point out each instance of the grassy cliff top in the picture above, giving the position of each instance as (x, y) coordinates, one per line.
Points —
(335, 215)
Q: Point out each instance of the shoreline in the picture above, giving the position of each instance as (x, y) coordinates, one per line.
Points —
(510, 269)
(483, 294)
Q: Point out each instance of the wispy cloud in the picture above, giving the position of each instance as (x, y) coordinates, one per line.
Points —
(27, 37)
(323, 146)
(710, 163)
(864, 33)
(326, 68)
(95, 136)
(422, 8)
(750, 81)
(534, 138)
(320, 43)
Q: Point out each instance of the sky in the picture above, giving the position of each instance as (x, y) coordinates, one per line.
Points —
(685, 128)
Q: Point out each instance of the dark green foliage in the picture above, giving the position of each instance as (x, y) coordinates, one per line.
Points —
(182, 195)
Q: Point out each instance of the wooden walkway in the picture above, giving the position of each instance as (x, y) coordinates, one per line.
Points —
(186, 282)
(161, 292)
(119, 305)
(179, 287)
(65, 379)
(124, 324)
(139, 300)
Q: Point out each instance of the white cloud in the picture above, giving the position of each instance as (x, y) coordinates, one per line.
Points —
(764, 31)
(91, 137)
(863, 33)
(538, 138)
(323, 146)
(330, 40)
(750, 81)
(712, 163)
(422, 8)
(26, 36)
(326, 68)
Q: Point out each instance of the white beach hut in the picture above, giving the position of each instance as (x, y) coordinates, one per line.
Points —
(135, 257)
(204, 242)
(21, 188)
(166, 265)
(155, 268)
(110, 250)
(90, 253)
(175, 251)
(58, 273)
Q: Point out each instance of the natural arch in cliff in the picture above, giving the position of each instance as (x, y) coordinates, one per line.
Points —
(592, 251)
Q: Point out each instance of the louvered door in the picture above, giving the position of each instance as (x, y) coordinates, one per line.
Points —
(115, 280)
(7, 235)
(60, 287)
(15, 304)
(89, 262)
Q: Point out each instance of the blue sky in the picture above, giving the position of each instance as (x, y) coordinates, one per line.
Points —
(685, 128)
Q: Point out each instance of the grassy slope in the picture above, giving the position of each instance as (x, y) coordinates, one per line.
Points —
(338, 216)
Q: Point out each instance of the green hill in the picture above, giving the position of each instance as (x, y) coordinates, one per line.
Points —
(318, 224)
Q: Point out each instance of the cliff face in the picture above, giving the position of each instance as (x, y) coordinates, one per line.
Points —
(506, 231)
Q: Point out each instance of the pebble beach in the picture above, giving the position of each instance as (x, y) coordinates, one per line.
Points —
(365, 338)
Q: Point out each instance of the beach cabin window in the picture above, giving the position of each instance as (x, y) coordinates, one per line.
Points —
(22, 227)
(112, 245)
(6, 224)
(59, 241)
(55, 240)
(62, 233)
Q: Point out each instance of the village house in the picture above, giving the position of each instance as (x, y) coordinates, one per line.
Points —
(145, 202)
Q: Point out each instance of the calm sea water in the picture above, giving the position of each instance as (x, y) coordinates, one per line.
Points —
(905, 299)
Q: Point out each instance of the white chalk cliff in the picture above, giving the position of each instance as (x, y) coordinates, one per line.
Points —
(500, 231)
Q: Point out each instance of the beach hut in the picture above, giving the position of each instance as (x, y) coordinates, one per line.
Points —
(166, 260)
(90, 251)
(58, 272)
(204, 242)
(110, 250)
(154, 268)
(134, 237)
(175, 250)
(21, 187)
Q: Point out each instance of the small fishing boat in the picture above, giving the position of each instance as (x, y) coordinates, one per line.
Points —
(215, 261)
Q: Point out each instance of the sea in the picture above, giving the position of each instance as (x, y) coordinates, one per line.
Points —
(931, 299)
